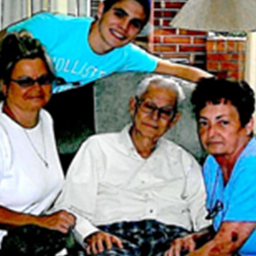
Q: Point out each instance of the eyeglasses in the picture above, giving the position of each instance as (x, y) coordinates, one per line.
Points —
(28, 81)
(149, 107)
(212, 213)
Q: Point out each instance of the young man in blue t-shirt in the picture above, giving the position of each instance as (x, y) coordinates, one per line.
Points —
(84, 49)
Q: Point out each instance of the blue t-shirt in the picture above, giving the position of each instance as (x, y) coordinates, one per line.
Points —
(66, 41)
(238, 196)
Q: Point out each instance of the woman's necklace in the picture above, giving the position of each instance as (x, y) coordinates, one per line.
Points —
(43, 157)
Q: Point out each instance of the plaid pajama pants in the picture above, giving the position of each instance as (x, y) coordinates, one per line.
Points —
(142, 238)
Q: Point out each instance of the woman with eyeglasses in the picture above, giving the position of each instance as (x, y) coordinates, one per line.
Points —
(31, 176)
(224, 112)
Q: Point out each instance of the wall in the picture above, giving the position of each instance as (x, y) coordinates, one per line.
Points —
(178, 44)
(222, 56)
(16, 10)
(226, 57)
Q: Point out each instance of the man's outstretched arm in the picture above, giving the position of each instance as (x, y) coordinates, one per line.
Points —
(186, 72)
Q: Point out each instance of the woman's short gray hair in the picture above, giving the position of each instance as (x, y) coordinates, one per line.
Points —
(161, 81)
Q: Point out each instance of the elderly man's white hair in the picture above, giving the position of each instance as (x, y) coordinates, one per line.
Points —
(160, 81)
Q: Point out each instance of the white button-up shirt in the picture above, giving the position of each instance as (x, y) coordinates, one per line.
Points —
(108, 182)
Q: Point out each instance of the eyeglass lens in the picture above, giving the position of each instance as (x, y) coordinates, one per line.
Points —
(28, 81)
(163, 112)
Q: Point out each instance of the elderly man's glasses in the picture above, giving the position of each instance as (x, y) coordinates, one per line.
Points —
(150, 107)
(28, 81)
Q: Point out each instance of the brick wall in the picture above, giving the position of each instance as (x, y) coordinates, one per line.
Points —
(171, 43)
(226, 57)
(222, 56)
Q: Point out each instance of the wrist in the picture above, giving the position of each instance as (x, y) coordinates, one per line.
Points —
(204, 236)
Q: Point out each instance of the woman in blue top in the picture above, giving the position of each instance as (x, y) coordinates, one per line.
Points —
(225, 125)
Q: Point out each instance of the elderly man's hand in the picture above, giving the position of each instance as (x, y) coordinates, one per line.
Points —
(98, 241)
(182, 246)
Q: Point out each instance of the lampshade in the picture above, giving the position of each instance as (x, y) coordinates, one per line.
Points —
(217, 15)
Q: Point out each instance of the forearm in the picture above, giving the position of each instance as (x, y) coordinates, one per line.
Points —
(9, 218)
(203, 236)
(192, 74)
(186, 72)
(228, 240)
(215, 248)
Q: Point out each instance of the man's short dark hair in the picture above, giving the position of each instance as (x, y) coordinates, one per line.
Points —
(213, 90)
(145, 4)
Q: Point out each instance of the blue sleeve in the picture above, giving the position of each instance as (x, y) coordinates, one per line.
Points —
(242, 202)
(43, 26)
(137, 59)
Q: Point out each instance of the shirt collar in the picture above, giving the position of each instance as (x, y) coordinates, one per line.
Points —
(126, 140)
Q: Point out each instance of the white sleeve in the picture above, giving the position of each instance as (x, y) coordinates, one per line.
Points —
(196, 196)
(80, 189)
(5, 152)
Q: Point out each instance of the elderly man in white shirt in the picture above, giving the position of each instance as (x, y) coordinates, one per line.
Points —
(133, 192)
